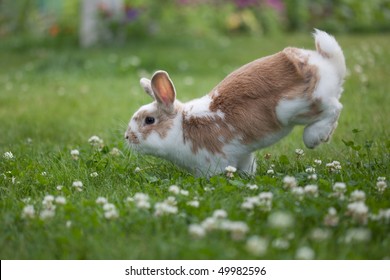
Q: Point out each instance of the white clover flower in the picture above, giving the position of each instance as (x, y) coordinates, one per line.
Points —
(358, 211)
(312, 176)
(68, 224)
(310, 170)
(196, 231)
(381, 178)
(141, 200)
(110, 211)
(250, 202)
(358, 195)
(305, 253)
(339, 189)
(270, 172)
(265, 201)
(108, 207)
(219, 214)
(280, 220)
(299, 152)
(95, 141)
(141, 197)
(47, 214)
(318, 161)
(334, 166)
(331, 218)
(252, 187)
(381, 186)
(94, 174)
(174, 189)
(60, 200)
(111, 214)
(143, 204)
(218, 221)
(238, 229)
(59, 187)
(48, 199)
(230, 169)
(280, 243)
(289, 182)
(298, 192)
(266, 196)
(162, 208)
(171, 200)
(184, 192)
(193, 203)
(28, 212)
(75, 154)
(137, 169)
(311, 190)
(210, 223)
(115, 152)
(320, 234)
(48, 202)
(166, 207)
(101, 200)
(357, 235)
(78, 185)
(247, 205)
(256, 245)
(8, 155)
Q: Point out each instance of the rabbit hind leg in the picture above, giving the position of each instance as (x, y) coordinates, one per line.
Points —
(322, 129)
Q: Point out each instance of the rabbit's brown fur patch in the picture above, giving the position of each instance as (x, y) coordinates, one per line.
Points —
(206, 133)
(248, 96)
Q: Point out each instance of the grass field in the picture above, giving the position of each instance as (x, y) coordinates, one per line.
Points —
(52, 101)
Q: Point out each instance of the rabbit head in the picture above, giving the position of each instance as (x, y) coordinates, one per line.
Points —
(152, 126)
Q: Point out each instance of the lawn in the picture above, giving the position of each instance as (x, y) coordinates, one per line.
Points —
(103, 201)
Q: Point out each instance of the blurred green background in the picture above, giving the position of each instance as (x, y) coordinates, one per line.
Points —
(120, 21)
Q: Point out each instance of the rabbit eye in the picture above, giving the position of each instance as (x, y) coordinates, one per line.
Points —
(149, 120)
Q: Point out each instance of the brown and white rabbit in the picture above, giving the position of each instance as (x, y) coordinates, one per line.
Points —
(253, 107)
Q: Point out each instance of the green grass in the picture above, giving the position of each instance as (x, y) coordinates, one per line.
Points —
(53, 100)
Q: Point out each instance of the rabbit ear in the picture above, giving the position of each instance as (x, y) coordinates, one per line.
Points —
(147, 86)
(163, 89)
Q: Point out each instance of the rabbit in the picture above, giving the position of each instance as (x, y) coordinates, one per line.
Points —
(252, 108)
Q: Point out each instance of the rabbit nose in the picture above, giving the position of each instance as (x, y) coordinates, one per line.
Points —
(132, 137)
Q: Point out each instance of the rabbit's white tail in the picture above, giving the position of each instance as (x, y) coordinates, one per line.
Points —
(328, 47)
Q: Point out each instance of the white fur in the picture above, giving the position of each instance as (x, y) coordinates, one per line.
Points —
(288, 109)
(200, 108)
(329, 45)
